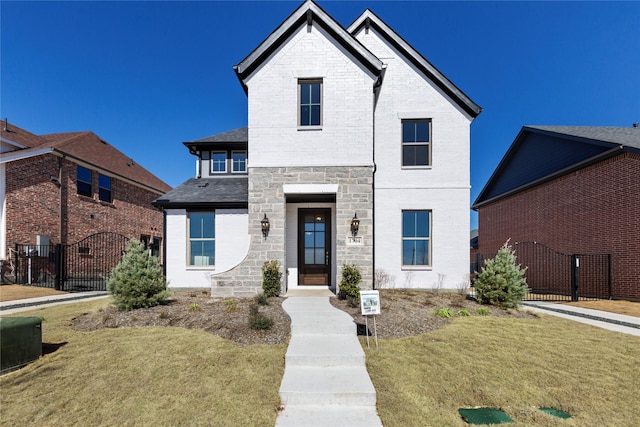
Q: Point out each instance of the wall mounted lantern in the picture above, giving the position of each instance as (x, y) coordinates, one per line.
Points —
(265, 226)
(355, 225)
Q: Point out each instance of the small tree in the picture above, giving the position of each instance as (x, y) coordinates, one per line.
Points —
(137, 281)
(271, 277)
(501, 281)
(349, 285)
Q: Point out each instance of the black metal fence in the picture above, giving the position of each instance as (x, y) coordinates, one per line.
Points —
(82, 266)
(554, 276)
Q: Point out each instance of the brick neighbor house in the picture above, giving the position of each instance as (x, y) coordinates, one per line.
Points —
(61, 188)
(575, 189)
(356, 152)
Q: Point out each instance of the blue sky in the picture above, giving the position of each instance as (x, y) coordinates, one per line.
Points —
(146, 76)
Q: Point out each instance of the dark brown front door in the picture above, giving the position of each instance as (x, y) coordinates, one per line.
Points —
(314, 243)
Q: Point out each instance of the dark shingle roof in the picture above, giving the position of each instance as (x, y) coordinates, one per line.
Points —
(541, 153)
(220, 191)
(236, 135)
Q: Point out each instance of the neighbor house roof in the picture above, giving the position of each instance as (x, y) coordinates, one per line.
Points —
(214, 192)
(86, 148)
(541, 153)
(308, 13)
(369, 20)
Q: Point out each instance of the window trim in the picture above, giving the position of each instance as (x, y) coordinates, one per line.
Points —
(428, 143)
(78, 180)
(429, 239)
(190, 239)
(246, 161)
(302, 81)
(100, 188)
(226, 160)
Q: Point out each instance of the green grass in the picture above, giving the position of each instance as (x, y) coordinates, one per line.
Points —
(141, 376)
(516, 365)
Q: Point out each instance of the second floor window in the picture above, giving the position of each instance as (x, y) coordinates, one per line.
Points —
(218, 161)
(310, 100)
(84, 182)
(104, 188)
(239, 161)
(416, 143)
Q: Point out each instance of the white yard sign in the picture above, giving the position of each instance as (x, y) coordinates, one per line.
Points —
(369, 302)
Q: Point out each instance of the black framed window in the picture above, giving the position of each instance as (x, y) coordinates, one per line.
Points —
(104, 188)
(310, 100)
(416, 238)
(83, 181)
(416, 143)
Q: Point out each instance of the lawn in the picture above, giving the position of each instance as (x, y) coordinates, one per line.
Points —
(513, 364)
(174, 376)
(141, 376)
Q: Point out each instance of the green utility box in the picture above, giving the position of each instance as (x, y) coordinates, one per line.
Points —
(20, 342)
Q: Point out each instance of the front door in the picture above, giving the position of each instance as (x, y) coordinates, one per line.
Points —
(314, 243)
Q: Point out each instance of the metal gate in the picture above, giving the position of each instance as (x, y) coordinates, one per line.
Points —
(554, 276)
(82, 266)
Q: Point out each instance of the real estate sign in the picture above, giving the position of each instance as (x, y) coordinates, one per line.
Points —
(369, 302)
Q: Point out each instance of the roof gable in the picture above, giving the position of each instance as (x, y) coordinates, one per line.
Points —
(370, 20)
(308, 13)
(541, 153)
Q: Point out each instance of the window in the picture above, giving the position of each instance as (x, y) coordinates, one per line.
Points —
(104, 188)
(416, 143)
(218, 162)
(310, 92)
(84, 182)
(416, 238)
(202, 238)
(239, 161)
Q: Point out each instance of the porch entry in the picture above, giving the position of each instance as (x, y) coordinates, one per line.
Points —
(314, 247)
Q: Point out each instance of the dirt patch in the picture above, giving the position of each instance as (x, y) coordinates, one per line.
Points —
(16, 292)
(410, 312)
(404, 313)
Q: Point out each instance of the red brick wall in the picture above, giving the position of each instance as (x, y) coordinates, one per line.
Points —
(33, 205)
(593, 210)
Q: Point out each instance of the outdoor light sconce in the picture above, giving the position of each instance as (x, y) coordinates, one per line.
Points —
(355, 225)
(265, 226)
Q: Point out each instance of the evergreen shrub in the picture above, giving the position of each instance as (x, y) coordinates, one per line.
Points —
(137, 281)
(349, 285)
(501, 281)
(271, 277)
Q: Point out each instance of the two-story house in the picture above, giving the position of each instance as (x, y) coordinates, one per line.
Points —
(356, 152)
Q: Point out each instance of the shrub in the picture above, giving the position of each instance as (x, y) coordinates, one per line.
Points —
(501, 281)
(464, 312)
(230, 306)
(483, 311)
(443, 312)
(258, 320)
(194, 307)
(271, 276)
(137, 281)
(349, 285)
(261, 299)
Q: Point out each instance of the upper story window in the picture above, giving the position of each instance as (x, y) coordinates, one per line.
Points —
(416, 238)
(416, 143)
(238, 161)
(104, 188)
(202, 238)
(310, 101)
(84, 182)
(218, 162)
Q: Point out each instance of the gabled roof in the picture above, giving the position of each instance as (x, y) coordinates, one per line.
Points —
(85, 147)
(369, 20)
(233, 138)
(308, 13)
(19, 137)
(214, 192)
(541, 153)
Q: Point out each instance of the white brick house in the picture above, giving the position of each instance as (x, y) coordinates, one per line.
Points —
(342, 122)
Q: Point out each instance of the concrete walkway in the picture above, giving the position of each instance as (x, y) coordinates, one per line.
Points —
(325, 380)
(16, 306)
(602, 319)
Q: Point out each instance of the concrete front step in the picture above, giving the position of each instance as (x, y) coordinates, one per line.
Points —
(325, 351)
(347, 387)
(328, 416)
